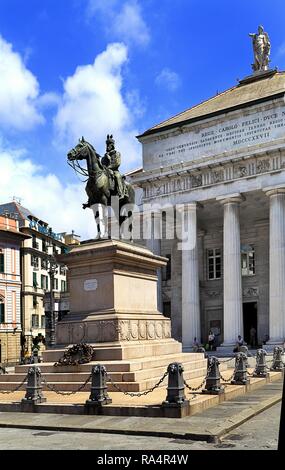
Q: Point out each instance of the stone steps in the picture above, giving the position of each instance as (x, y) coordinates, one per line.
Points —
(124, 351)
(142, 385)
(134, 381)
(121, 376)
(119, 366)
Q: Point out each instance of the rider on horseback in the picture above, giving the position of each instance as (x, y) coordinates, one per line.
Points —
(111, 161)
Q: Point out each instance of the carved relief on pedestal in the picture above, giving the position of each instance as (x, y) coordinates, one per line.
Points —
(159, 330)
(108, 330)
(150, 330)
(134, 330)
(124, 330)
(142, 330)
(167, 329)
(116, 330)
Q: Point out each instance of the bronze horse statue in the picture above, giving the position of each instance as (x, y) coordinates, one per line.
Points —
(100, 186)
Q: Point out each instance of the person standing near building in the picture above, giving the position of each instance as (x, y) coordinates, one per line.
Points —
(211, 340)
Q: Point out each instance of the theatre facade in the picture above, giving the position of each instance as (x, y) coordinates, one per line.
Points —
(224, 160)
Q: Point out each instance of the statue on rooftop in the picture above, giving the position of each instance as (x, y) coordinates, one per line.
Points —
(261, 50)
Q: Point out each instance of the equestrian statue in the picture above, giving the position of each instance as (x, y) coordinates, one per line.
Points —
(104, 179)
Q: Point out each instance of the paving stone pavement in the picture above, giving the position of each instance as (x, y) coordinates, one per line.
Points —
(210, 425)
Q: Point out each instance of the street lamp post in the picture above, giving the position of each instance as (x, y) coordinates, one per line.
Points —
(52, 270)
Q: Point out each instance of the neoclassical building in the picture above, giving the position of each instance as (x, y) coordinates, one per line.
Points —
(10, 290)
(224, 161)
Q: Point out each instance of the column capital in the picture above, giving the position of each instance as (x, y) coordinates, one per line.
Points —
(230, 198)
(189, 206)
(272, 190)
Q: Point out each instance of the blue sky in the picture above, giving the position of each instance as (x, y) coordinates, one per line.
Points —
(73, 67)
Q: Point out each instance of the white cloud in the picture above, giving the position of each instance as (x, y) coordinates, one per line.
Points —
(93, 106)
(19, 90)
(121, 21)
(168, 79)
(44, 194)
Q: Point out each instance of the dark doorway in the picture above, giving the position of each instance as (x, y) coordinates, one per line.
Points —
(249, 320)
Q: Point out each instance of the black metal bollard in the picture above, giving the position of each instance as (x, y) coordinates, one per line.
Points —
(277, 364)
(99, 395)
(175, 389)
(35, 356)
(260, 368)
(240, 377)
(213, 380)
(34, 393)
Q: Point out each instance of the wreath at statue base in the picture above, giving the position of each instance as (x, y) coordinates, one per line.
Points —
(77, 354)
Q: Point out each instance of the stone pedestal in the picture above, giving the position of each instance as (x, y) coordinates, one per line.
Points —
(113, 300)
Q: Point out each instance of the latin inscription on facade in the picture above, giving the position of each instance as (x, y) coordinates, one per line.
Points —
(257, 128)
(90, 284)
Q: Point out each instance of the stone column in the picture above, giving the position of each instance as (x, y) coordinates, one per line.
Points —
(233, 319)
(154, 244)
(190, 278)
(276, 264)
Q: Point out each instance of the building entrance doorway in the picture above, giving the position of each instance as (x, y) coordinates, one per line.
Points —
(249, 320)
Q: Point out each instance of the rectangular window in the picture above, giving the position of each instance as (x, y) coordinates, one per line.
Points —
(44, 282)
(63, 286)
(214, 257)
(2, 263)
(35, 301)
(247, 261)
(35, 280)
(35, 244)
(35, 321)
(2, 312)
(62, 270)
(44, 244)
(43, 263)
(34, 261)
(43, 321)
(55, 284)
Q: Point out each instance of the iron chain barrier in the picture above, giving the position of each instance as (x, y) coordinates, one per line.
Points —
(195, 389)
(6, 392)
(137, 394)
(227, 381)
(52, 388)
(227, 360)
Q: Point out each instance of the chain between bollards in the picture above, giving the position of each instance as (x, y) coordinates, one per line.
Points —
(137, 394)
(52, 388)
(6, 392)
